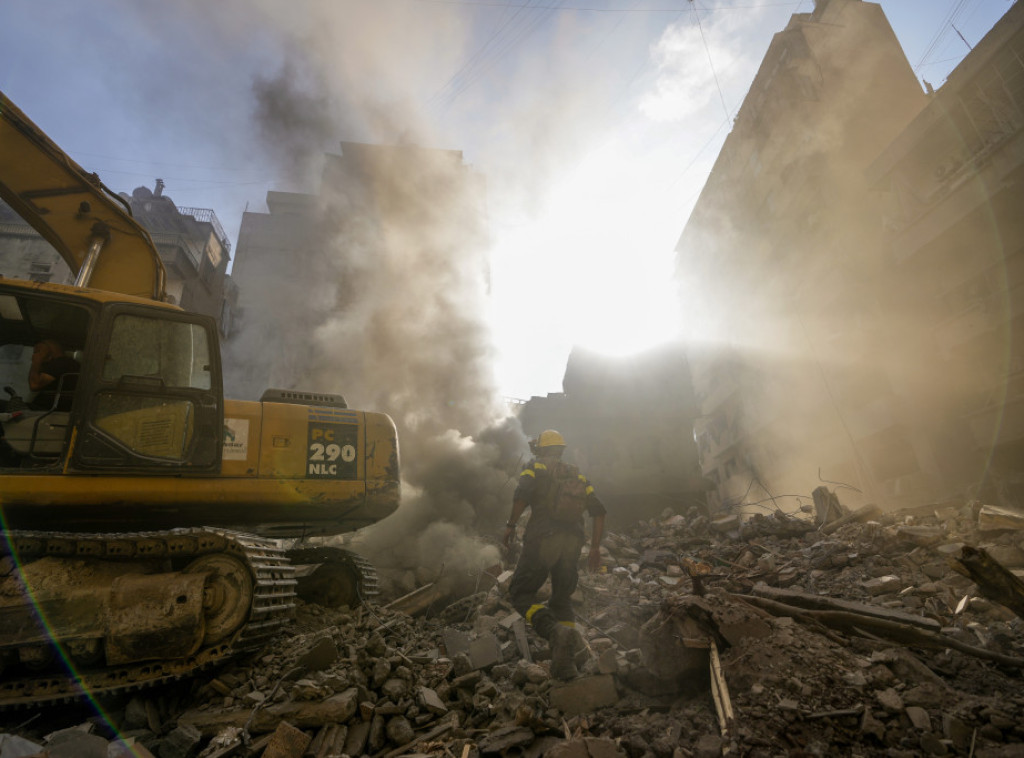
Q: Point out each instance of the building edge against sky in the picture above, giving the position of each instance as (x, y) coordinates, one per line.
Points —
(854, 256)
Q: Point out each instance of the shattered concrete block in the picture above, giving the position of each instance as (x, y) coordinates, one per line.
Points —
(17, 747)
(585, 695)
(735, 624)
(890, 700)
(135, 714)
(394, 689)
(485, 651)
(600, 747)
(509, 619)
(399, 731)
(503, 740)
(918, 717)
(992, 518)
(788, 577)
(182, 742)
(525, 672)
(608, 662)
(338, 708)
(872, 726)
(461, 664)
(956, 731)
(378, 738)
(81, 746)
(932, 745)
(709, 746)
(922, 536)
(357, 737)
(429, 700)
(569, 749)
(253, 699)
(322, 655)
(882, 585)
(1008, 555)
(287, 742)
(924, 695)
(935, 570)
(455, 642)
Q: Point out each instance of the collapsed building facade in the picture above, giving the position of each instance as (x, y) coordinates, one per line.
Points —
(628, 426)
(851, 263)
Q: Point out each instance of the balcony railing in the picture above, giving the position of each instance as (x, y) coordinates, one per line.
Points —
(207, 216)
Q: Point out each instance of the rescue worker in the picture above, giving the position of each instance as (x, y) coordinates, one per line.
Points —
(552, 545)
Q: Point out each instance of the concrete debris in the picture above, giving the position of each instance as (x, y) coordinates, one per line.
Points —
(702, 636)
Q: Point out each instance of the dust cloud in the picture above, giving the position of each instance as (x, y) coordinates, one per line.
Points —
(382, 301)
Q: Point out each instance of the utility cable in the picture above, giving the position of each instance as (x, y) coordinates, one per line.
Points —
(944, 26)
(711, 63)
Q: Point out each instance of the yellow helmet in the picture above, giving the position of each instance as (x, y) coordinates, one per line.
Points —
(550, 438)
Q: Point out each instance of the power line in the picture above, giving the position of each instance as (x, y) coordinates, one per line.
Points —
(211, 182)
(588, 9)
(711, 63)
(944, 27)
(157, 163)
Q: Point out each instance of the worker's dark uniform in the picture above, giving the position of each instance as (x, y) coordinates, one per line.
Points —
(550, 548)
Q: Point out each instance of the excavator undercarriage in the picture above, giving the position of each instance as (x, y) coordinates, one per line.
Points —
(118, 612)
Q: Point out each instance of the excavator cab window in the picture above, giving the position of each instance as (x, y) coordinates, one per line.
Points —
(35, 423)
(155, 403)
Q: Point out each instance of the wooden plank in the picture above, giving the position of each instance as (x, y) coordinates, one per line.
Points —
(720, 691)
(822, 603)
(995, 581)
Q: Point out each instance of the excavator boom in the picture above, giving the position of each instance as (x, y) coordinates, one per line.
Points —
(88, 224)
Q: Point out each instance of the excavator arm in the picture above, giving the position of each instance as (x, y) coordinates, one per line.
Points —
(88, 224)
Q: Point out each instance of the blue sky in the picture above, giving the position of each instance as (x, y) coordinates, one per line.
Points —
(595, 122)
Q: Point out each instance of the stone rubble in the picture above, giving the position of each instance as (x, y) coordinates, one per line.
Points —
(377, 682)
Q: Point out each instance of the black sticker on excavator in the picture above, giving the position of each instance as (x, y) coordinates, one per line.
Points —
(331, 451)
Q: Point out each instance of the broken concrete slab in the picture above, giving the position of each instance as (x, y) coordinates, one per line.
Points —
(17, 747)
(320, 656)
(993, 518)
(287, 742)
(485, 651)
(500, 741)
(182, 742)
(455, 642)
(585, 695)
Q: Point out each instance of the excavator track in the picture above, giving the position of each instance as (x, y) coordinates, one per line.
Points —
(272, 605)
(341, 577)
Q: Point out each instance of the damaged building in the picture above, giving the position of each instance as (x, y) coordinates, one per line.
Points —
(300, 261)
(850, 263)
(627, 422)
(193, 246)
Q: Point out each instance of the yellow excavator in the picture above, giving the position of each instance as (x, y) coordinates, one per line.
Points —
(149, 523)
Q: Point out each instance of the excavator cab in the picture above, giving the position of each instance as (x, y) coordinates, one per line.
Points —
(146, 396)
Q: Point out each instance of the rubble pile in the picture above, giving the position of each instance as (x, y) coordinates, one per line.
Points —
(765, 637)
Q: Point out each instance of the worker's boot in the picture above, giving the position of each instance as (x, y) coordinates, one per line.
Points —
(563, 642)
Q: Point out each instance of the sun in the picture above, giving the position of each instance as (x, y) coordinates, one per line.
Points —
(591, 267)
